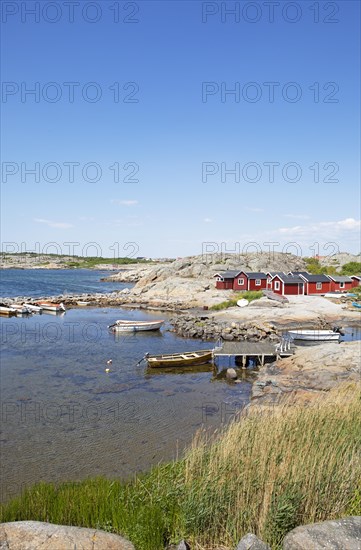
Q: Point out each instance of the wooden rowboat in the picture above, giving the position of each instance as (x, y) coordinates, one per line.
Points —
(180, 359)
(135, 326)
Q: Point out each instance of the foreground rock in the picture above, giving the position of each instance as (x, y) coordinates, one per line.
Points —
(251, 542)
(338, 534)
(312, 370)
(29, 535)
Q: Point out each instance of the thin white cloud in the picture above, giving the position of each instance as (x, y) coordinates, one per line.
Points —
(250, 209)
(323, 229)
(207, 220)
(50, 223)
(121, 202)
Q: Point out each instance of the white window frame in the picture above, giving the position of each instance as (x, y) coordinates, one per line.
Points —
(342, 285)
(318, 286)
(220, 279)
(277, 285)
(258, 282)
(241, 281)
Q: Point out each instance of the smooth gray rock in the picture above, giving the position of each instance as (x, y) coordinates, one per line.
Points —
(251, 542)
(231, 374)
(340, 534)
(31, 535)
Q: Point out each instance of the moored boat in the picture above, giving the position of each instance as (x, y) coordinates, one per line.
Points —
(356, 304)
(49, 306)
(135, 326)
(20, 309)
(7, 311)
(314, 335)
(180, 359)
(33, 308)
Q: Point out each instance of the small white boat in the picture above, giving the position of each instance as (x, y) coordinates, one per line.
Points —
(243, 302)
(20, 309)
(80, 303)
(8, 311)
(135, 326)
(49, 306)
(314, 335)
(33, 308)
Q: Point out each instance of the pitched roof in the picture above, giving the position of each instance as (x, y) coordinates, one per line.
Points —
(274, 273)
(298, 273)
(290, 278)
(228, 274)
(340, 279)
(320, 278)
(255, 274)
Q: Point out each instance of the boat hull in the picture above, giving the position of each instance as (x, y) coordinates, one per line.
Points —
(180, 359)
(132, 326)
(51, 307)
(314, 335)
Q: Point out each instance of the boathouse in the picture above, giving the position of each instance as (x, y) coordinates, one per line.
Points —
(287, 284)
(225, 279)
(246, 280)
(314, 284)
(356, 281)
(341, 283)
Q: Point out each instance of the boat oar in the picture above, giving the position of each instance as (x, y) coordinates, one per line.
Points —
(142, 359)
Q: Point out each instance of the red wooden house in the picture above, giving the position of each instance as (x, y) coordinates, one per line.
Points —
(314, 284)
(287, 284)
(356, 281)
(225, 279)
(341, 283)
(250, 281)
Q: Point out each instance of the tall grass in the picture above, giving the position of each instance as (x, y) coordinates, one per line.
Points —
(249, 295)
(269, 471)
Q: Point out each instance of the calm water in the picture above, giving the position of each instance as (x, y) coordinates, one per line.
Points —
(52, 282)
(65, 418)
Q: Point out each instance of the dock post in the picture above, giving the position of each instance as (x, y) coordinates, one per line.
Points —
(262, 360)
(244, 360)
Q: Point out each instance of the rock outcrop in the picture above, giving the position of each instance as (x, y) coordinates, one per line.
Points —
(29, 535)
(251, 542)
(341, 534)
(305, 374)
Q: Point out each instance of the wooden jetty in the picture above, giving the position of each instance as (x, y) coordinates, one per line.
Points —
(257, 351)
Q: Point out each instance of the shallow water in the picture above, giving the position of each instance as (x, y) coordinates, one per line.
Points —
(52, 282)
(65, 418)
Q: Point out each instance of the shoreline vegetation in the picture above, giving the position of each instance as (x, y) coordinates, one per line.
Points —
(269, 471)
(291, 457)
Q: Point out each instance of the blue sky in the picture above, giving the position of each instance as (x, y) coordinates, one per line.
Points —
(141, 103)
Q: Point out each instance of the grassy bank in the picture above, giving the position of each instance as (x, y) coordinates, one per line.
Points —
(249, 295)
(266, 473)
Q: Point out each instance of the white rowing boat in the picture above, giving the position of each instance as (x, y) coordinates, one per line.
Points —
(8, 311)
(242, 303)
(49, 306)
(20, 309)
(33, 308)
(135, 326)
(314, 335)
